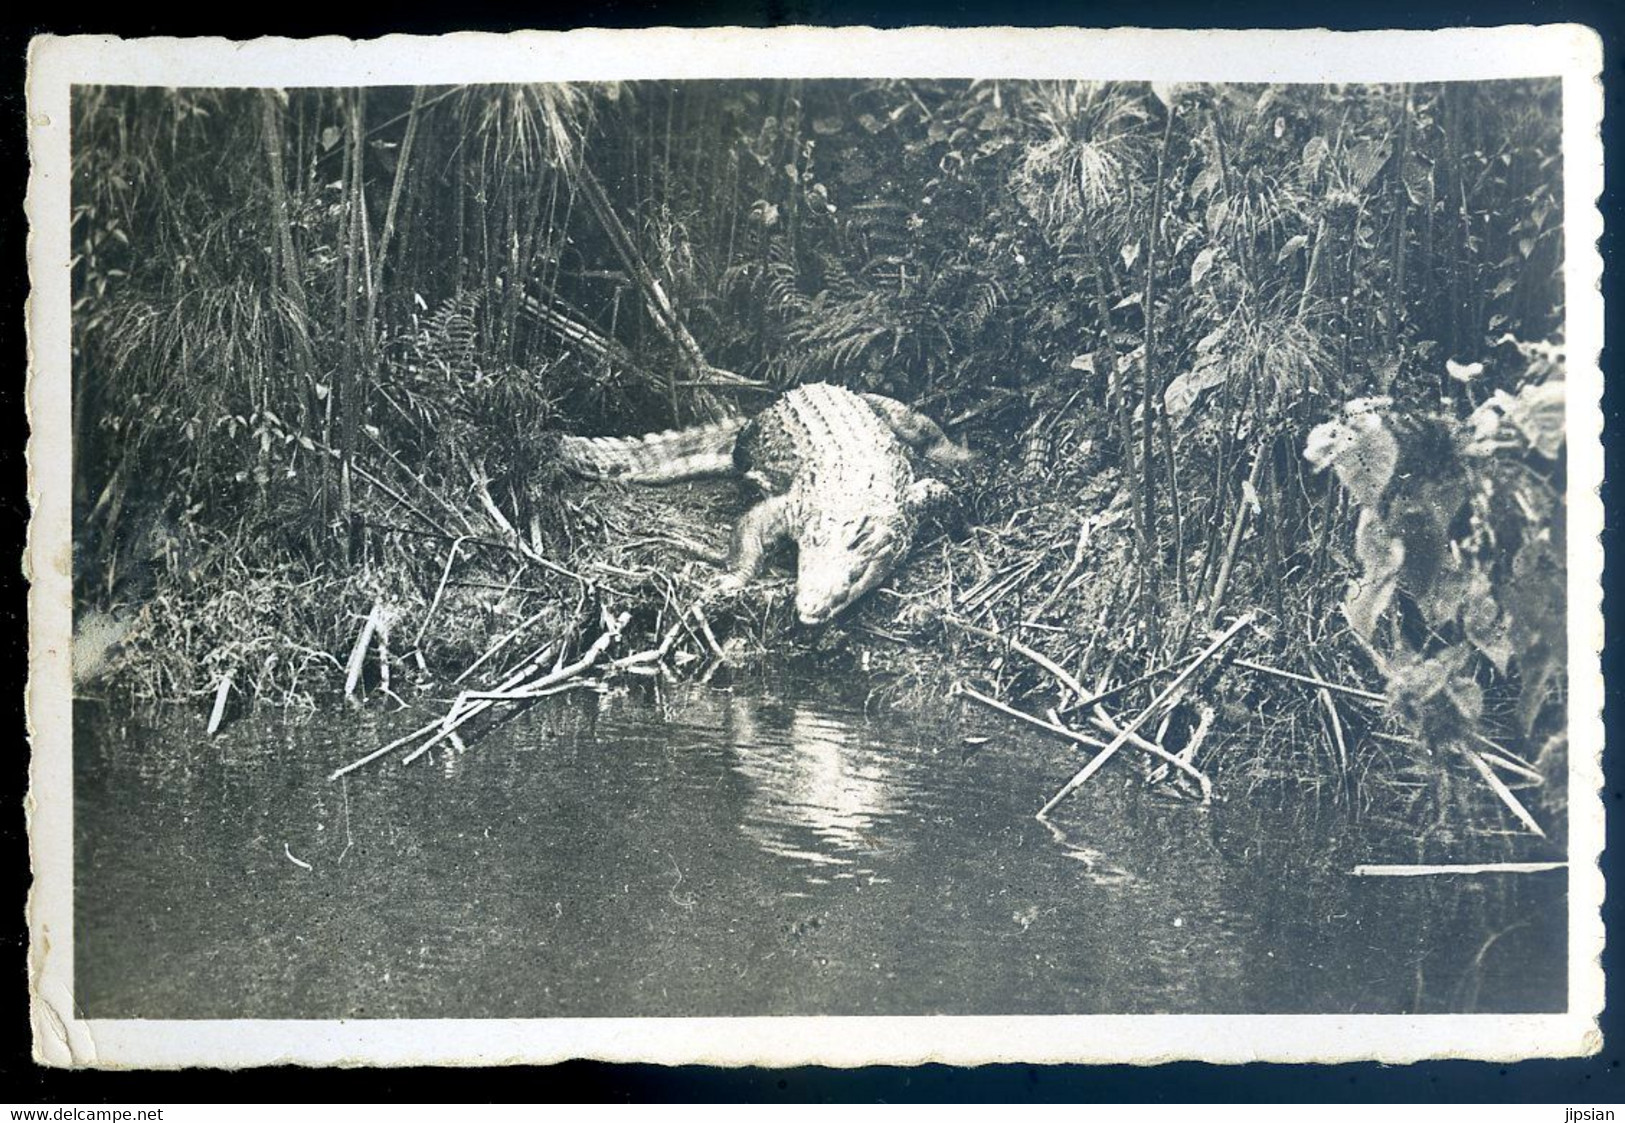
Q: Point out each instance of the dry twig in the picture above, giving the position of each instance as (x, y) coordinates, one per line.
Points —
(1060, 673)
(221, 693)
(1293, 676)
(1167, 697)
(465, 711)
(1471, 868)
(1060, 730)
(1502, 792)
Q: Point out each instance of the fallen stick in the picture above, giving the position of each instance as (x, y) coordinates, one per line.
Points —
(1512, 765)
(1058, 672)
(1204, 723)
(1507, 754)
(1084, 534)
(1503, 792)
(530, 664)
(1198, 735)
(358, 653)
(451, 558)
(520, 695)
(546, 563)
(1109, 724)
(382, 647)
(483, 493)
(527, 669)
(1499, 757)
(385, 751)
(513, 547)
(659, 305)
(710, 636)
(1106, 695)
(502, 642)
(588, 658)
(1221, 583)
(1030, 719)
(1325, 697)
(979, 597)
(450, 508)
(221, 693)
(653, 654)
(1352, 692)
(1089, 742)
(1168, 694)
(1430, 871)
(356, 467)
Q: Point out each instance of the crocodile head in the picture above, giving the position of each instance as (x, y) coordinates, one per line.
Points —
(842, 558)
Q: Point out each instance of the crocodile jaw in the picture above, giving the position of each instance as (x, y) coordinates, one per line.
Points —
(833, 571)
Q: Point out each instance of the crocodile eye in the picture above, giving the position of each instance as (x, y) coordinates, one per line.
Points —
(863, 533)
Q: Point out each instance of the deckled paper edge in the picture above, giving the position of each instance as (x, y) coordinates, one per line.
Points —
(62, 1039)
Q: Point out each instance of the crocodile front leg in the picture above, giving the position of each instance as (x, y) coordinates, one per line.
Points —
(918, 431)
(934, 500)
(927, 496)
(761, 528)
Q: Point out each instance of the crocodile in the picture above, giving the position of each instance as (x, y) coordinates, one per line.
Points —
(834, 468)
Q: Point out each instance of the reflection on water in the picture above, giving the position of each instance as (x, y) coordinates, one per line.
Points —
(767, 849)
(819, 791)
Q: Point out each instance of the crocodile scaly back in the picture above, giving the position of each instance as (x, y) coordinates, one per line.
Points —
(829, 442)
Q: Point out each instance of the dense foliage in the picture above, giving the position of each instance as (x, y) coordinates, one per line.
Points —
(315, 329)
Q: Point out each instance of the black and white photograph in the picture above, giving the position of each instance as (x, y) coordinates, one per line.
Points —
(681, 560)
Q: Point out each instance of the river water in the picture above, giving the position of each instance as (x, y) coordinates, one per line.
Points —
(769, 848)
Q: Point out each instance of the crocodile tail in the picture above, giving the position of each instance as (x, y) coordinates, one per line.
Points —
(679, 454)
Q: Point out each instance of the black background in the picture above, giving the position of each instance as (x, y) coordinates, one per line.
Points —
(1594, 1080)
